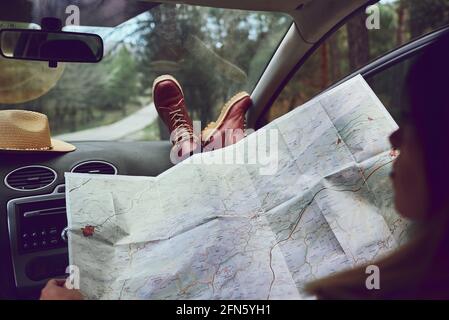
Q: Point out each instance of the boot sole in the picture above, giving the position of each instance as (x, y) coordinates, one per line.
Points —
(224, 112)
(165, 78)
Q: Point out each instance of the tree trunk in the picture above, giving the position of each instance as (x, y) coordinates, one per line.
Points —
(401, 19)
(166, 33)
(358, 42)
(334, 57)
(167, 38)
(324, 66)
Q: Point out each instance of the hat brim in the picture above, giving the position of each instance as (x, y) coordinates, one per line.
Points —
(61, 146)
(58, 146)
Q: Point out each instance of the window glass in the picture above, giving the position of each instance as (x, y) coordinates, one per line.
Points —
(388, 85)
(354, 45)
(214, 53)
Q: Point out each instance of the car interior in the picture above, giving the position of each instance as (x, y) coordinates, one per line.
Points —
(33, 244)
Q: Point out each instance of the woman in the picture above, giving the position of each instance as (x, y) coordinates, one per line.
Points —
(421, 183)
(420, 270)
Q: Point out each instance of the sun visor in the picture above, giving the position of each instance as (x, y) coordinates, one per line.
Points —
(97, 13)
(316, 18)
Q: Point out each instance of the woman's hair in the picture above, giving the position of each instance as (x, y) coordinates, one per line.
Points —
(420, 269)
(427, 89)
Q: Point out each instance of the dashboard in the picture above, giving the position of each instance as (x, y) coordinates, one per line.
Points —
(33, 243)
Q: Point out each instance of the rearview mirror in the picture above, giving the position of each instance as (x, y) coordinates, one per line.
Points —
(51, 46)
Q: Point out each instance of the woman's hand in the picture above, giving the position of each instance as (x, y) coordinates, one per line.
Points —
(56, 290)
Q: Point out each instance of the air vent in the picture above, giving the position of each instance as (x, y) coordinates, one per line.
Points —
(95, 167)
(30, 178)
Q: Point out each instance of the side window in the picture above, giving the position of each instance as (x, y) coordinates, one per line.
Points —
(354, 45)
(388, 85)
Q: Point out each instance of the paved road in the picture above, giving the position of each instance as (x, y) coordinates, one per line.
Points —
(129, 125)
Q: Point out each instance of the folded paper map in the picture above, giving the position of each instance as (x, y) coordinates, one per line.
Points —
(210, 228)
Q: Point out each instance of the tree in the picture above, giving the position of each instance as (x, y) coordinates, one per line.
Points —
(123, 87)
(88, 94)
(401, 22)
(335, 57)
(214, 54)
(427, 15)
(324, 65)
(386, 38)
(358, 41)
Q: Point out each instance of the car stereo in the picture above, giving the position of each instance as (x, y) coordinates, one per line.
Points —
(38, 243)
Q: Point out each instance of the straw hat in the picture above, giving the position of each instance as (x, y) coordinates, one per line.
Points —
(22, 130)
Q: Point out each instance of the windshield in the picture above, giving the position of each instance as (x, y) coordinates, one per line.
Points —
(214, 53)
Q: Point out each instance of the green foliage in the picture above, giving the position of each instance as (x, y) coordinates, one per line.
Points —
(427, 15)
(88, 95)
(418, 18)
(384, 39)
(123, 86)
(214, 53)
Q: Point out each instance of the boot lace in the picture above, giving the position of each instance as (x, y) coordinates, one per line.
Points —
(182, 130)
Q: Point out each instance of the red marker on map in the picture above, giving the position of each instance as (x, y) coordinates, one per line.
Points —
(88, 231)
